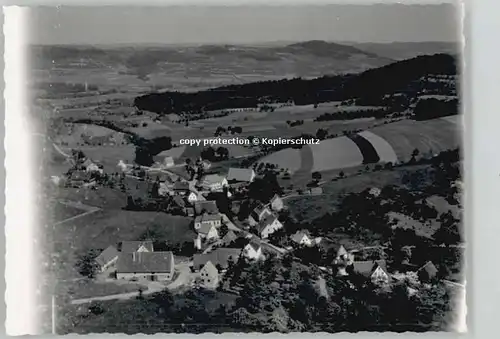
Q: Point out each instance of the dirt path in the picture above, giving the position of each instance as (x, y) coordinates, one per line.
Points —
(77, 216)
(183, 278)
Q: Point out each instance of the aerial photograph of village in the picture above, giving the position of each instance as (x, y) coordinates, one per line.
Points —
(262, 169)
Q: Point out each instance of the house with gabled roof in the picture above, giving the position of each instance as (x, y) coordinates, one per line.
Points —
(207, 219)
(192, 197)
(342, 256)
(268, 226)
(209, 275)
(427, 272)
(79, 178)
(220, 257)
(145, 265)
(276, 203)
(302, 238)
(229, 237)
(261, 212)
(240, 175)
(209, 207)
(137, 246)
(253, 251)
(208, 232)
(107, 258)
(375, 270)
(213, 182)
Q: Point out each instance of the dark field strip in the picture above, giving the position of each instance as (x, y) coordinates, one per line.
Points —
(369, 153)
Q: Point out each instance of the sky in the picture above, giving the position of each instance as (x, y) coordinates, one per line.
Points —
(243, 24)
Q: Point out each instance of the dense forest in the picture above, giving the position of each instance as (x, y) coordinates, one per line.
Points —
(369, 87)
(435, 108)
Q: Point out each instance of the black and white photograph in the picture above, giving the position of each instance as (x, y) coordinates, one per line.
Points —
(248, 168)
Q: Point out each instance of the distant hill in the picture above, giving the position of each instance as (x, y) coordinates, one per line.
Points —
(327, 49)
(406, 50)
(305, 59)
(369, 87)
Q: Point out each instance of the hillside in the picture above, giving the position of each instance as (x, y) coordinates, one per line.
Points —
(405, 50)
(369, 87)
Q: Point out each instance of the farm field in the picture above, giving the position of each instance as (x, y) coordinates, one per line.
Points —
(383, 148)
(102, 197)
(429, 137)
(393, 142)
(335, 153)
(109, 156)
(289, 158)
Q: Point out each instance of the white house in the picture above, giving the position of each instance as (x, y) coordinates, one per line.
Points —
(252, 251)
(209, 275)
(302, 238)
(240, 175)
(107, 258)
(374, 270)
(192, 197)
(145, 265)
(213, 183)
(268, 226)
(276, 203)
(208, 220)
(208, 232)
(167, 162)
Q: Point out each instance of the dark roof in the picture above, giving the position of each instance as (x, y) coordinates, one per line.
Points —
(259, 210)
(107, 255)
(366, 268)
(189, 211)
(254, 245)
(145, 262)
(240, 174)
(133, 246)
(206, 206)
(267, 221)
(297, 237)
(205, 228)
(229, 237)
(181, 186)
(219, 256)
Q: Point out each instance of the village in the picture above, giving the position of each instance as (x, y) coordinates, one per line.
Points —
(220, 241)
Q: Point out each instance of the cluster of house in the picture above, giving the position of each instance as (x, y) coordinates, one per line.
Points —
(137, 260)
(83, 174)
(236, 177)
(214, 264)
(376, 270)
(264, 218)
